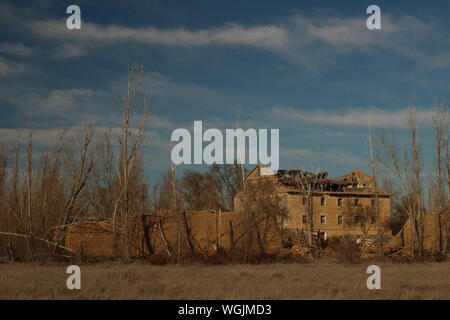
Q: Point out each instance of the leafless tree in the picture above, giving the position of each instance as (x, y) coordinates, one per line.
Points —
(229, 180)
(262, 218)
(163, 196)
(440, 187)
(130, 147)
(405, 166)
(381, 225)
(308, 184)
(359, 216)
(105, 190)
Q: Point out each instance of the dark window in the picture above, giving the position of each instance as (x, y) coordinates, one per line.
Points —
(339, 202)
(356, 202)
(322, 219)
(322, 201)
(304, 201)
(357, 220)
(373, 220)
(374, 202)
(304, 219)
(339, 219)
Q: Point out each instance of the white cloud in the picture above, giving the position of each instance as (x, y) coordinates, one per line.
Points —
(155, 121)
(312, 41)
(40, 137)
(309, 159)
(69, 50)
(189, 92)
(258, 36)
(11, 68)
(317, 41)
(16, 49)
(62, 100)
(68, 105)
(353, 117)
(49, 136)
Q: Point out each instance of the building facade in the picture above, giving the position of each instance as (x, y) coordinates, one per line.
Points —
(349, 205)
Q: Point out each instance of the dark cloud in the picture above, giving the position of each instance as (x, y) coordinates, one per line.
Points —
(230, 66)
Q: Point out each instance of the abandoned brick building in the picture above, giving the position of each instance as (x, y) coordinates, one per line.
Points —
(334, 203)
(339, 206)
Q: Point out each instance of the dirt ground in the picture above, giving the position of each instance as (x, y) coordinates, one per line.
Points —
(316, 280)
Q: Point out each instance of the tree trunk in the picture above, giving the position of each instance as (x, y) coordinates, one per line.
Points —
(147, 238)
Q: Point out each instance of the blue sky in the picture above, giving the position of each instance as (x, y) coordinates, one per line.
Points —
(310, 68)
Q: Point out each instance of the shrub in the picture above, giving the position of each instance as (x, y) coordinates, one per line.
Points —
(347, 250)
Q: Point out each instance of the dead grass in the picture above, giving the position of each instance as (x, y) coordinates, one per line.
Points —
(317, 280)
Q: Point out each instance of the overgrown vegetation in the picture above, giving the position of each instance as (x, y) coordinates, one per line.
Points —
(417, 194)
(98, 175)
(84, 176)
(317, 280)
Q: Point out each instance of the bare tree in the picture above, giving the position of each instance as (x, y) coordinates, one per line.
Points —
(163, 196)
(130, 147)
(42, 197)
(262, 218)
(405, 166)
(439, 185)
(229, 180)
(359, 216)
(106, 189)
(199, 191)
(77, 164)
(309, 184)
(381, 226)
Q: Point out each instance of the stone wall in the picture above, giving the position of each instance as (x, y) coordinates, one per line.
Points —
(187, 232)
(331, 208)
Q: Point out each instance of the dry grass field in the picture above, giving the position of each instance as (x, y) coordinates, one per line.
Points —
(317, 280)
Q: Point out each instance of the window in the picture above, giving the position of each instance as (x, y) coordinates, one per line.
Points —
(322, 202)
(374, 202)
(339, 202)
(356, 202)
(357, 220)
(304, 201)
(373, 220)
(322, 219)
(339, 219)
(304, 219)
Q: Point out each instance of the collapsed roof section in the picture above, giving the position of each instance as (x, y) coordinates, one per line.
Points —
(303, 179)
(355, 181)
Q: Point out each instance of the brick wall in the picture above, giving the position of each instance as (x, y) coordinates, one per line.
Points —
(331, 208)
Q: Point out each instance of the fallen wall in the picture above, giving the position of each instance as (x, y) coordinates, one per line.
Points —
(403, 239)
(171, 233)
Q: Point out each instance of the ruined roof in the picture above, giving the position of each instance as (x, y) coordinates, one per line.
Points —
(318, 181)
(259, 171)
(359, 172)
(355, 182)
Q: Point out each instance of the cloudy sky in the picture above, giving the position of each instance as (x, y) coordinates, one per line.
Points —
(309, 68)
